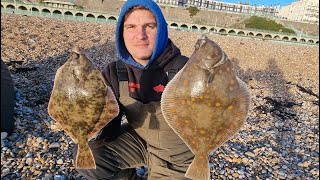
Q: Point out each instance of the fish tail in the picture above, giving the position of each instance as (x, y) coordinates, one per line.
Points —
(199, 169)
(84, 158)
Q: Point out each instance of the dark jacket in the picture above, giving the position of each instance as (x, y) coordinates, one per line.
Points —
(145, 85)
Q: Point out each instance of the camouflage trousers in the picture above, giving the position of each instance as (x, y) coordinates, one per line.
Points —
(119, 159)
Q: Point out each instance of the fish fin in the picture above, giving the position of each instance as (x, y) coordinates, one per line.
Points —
(113, 107)
(95, 132)
(84, 158)
(70, 134)
(110, 111)
(168, 104)
(56, 127)
(53, 109)
(199, 168)
(244, 97)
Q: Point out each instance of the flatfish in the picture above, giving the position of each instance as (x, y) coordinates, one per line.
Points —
(205, 104)
(81, 103)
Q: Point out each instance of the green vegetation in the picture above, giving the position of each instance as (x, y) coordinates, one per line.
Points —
(192, 11)
(255, 22)
(41, 2)
(79, 7)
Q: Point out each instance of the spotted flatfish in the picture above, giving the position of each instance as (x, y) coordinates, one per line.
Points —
(81, 103)
(205, 104)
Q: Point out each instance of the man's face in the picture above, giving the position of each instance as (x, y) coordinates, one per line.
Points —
(139, 34)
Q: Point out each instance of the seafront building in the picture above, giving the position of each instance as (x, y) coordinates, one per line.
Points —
(301, 11)
(244, 8)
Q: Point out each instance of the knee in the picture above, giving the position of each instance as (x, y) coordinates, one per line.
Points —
(96, 151)
(87, 173)
(106, 166)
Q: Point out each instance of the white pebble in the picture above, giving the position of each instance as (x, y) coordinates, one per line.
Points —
(29, 161)
(4, 135)
(54, 145)
(40, 139)
(60, 161)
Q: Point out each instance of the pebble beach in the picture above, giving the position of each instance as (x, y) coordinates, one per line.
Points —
(279, 140)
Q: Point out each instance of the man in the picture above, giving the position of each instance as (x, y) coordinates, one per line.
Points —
(147, 57)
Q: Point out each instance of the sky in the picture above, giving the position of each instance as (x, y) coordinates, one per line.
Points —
(265, 2)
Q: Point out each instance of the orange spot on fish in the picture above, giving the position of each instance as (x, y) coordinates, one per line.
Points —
(242, 99)
(230, 107)
(173, 110)
(209, 103)
(218, 104)
(171, 101)
(186, 121)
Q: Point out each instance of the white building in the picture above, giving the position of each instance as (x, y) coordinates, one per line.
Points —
(302, 11)
(219, 5)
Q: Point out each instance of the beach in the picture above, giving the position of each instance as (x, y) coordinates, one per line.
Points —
(279, 140)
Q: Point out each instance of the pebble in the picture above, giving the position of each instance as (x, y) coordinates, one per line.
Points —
(59, 177)
(60, 161)
(40, 139)
(250, 154)
(20, 166)
(235, 175)
(29, 161)
(29, 154)
(54, 145)
(275, 142)
(4, 135)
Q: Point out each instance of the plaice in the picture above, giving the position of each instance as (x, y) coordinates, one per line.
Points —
(81, 103)
(205, 104)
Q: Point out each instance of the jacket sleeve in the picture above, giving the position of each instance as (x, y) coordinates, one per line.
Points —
(112, 129)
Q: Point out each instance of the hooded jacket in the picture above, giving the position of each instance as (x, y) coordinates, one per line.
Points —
(161, 36)
(146, 84)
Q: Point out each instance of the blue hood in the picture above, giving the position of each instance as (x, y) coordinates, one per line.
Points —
(161, 36)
